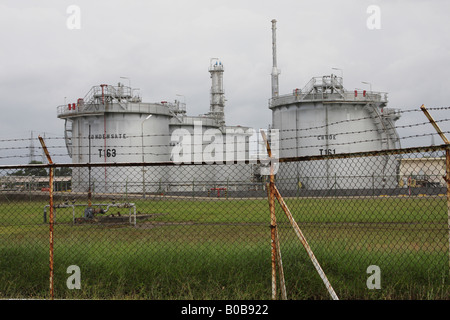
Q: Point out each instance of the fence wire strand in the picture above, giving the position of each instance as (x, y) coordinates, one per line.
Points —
(162, 231)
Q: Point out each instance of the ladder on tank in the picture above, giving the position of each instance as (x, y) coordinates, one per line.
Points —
(385, 127)
(68, 136)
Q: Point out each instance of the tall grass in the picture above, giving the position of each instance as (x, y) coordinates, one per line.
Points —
(221, 250)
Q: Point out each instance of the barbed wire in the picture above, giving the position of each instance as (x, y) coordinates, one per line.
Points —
(32, 151)
(257, 132)
(167, 155)
(27, 147)
(190, 152)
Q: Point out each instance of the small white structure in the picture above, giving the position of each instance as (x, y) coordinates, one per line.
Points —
(422, 172)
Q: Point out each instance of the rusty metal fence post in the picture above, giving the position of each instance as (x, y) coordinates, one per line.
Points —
(51, 216)
(447, 171)
(276, 253)
(305, 244)
(447, 179)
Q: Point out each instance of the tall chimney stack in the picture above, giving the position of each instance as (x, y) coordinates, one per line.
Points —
(275, 71)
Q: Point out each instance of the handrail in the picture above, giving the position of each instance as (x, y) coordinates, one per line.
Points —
(347, 96)
(157, 108)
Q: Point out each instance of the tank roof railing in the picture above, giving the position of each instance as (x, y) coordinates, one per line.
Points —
(356, 96)
(67, 111)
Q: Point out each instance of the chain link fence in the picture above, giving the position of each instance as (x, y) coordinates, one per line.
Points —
(377, 223)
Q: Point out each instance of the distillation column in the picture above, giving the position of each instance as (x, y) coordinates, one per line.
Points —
(217, 92)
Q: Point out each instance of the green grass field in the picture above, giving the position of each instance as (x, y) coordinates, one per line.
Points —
(220, 249)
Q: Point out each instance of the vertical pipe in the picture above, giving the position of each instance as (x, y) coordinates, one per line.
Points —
(89, 169)
(226, 190)
(45, 214)
(103, 93)
(373, 184)
(275, 71)
(327, 146)
(143, 155)
(104, 135)
(143, 159)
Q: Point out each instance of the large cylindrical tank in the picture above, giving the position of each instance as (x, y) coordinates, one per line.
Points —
(200, 140)
(187, 147)
(324, 119)
(117, 131)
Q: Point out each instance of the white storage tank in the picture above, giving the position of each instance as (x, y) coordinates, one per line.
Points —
(200, 140)
(110, 125)
(323, 118)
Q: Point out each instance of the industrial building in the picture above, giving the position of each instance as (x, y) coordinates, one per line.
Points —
(112, 124)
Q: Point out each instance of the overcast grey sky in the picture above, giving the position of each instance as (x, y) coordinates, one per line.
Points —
(165, 46)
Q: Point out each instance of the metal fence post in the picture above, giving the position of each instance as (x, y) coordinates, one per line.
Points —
(447, 179)
(305, 244)
(447, 171)
(51, 216)
(274, 193)
(276, 251)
